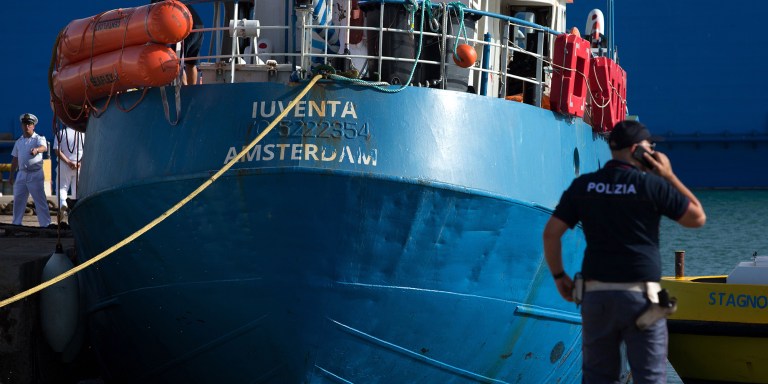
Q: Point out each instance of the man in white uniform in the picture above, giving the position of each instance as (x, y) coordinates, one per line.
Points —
(27, 160)
(68, 145)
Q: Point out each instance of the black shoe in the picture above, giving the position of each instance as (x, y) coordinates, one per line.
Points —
(64, 225)
(52, 226)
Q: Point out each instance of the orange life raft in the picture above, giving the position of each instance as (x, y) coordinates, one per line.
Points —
(150, 65)
(71, 115)
(165, 22)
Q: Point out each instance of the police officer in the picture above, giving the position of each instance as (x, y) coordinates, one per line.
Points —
(27, 172)
(620, 208)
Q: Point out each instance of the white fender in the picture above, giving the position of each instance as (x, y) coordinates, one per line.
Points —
(59, 303)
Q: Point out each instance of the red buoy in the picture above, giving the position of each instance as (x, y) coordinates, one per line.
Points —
(466, 56)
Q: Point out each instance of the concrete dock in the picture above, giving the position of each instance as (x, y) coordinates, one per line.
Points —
(25, 356)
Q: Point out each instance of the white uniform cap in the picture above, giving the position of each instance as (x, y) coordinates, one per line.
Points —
(28, 117)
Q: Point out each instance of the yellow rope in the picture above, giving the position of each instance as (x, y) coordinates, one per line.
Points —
(167, 213)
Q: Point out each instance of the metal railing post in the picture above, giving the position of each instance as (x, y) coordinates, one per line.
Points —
(235, 47)
(539, 68)
(485, 64)
(504, 62)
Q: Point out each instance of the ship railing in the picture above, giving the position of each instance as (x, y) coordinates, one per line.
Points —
(489, 76)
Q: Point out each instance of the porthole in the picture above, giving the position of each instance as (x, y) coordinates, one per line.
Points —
(576, 162)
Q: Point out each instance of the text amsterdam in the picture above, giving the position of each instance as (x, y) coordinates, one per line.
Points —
(339, 121)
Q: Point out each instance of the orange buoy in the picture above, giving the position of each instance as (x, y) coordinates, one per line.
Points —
(165, 22)
(148, 65)
(466, 56)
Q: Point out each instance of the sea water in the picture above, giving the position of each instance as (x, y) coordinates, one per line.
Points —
(736, 228)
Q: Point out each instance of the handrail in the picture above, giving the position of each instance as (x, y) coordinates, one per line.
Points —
(496, 66)
(513, 20)
(521, 22)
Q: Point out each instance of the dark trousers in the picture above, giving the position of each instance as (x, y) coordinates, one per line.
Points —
(608, 320)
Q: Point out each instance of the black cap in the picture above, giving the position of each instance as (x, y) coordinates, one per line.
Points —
(628, 132)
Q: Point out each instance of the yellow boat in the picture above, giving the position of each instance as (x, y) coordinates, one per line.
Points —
(719, 333)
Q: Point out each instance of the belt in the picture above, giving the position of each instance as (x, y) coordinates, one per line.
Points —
(651, 288)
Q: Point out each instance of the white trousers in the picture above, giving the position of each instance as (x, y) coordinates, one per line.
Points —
(30, 183)
(66, 179)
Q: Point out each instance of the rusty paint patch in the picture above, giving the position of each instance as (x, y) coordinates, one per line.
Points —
(506, 355)
(528, 355)
(424, 351)
(557, 352)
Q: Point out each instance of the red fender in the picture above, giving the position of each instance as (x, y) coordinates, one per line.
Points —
(608, 85)
(571, 61)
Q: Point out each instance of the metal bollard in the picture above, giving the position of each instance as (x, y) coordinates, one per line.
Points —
(679, 264)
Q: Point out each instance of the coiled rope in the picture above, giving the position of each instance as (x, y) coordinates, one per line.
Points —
(170, 211)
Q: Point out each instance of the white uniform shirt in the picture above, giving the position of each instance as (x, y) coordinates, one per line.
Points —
(71, 143)
(22, 150)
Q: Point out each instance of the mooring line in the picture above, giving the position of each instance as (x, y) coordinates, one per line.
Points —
(170, 211)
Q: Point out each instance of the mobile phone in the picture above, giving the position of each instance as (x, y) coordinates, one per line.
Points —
(638, 155)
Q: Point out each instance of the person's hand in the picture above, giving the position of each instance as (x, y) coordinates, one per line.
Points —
(565, 287)
(33, 152)
(661, 164)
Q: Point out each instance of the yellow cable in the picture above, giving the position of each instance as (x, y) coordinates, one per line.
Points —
(167, 213)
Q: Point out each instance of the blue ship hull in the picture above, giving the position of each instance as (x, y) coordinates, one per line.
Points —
(369, 238)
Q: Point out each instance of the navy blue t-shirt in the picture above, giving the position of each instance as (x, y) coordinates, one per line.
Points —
(620, 210)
